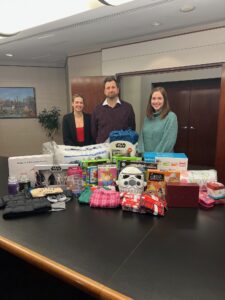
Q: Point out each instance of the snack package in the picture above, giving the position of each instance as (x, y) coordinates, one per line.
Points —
(156, 181)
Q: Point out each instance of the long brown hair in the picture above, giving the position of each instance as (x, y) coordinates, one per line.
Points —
(165, 108)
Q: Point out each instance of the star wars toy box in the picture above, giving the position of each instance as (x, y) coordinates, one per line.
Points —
(107, 174)
(118, 159)
(52, 174)
(156, 181)
(26, 165)
(122, 148)
(168, 161)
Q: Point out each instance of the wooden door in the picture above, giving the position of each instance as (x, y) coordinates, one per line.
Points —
(91, 88)
(179, 99)
(196, 105)
(204, 108)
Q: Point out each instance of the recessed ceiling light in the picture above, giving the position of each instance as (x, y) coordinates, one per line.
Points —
(9, 54)
(156, 23)
(187, 8)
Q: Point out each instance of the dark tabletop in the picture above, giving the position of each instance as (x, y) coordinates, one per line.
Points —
(179, 256)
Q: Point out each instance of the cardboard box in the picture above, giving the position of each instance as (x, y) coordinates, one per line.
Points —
(156, 180)
(107, 175)
(122, 148)
(19, 165)
(168, 161)
(182, 194)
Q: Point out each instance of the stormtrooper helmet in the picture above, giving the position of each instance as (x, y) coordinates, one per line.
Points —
(131, 179)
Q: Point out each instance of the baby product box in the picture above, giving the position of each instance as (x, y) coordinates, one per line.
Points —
(107, 175)
(19, 165)
(168, 161)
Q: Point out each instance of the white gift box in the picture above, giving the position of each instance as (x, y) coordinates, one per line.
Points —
(19, 165)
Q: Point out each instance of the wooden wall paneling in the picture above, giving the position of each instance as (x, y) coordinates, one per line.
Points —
(220, 146)
(91, 88)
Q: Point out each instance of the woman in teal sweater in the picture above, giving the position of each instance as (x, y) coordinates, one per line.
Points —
(159, 131)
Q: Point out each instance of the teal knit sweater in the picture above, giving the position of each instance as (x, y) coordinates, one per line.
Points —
(158, 135)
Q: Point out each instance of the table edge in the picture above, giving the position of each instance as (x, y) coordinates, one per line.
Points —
(68, 275)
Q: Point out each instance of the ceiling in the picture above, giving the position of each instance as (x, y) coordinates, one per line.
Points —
(107, 26)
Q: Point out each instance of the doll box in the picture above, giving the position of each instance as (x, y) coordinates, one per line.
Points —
(107, 175)
(92, 175)
(182, 194)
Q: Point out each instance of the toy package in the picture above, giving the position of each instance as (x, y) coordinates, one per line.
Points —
(107, 174)
(118, 159)
(90, 169)
(92, 175)
(19, 165)
(156, 180)
(122, 148)
(49, 174)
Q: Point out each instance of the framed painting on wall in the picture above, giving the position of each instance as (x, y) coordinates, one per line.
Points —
(17, 102)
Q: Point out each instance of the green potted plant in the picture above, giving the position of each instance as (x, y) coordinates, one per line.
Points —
(49, 120)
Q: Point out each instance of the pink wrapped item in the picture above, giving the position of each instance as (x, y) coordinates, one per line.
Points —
(105, 198)
(205, 201)
(201, 177)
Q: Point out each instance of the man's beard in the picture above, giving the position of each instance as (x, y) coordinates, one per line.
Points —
(112, 96)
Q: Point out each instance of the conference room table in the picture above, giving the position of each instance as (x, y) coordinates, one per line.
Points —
(113, 254)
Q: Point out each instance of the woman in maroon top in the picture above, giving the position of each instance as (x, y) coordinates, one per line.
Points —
(76, 126)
